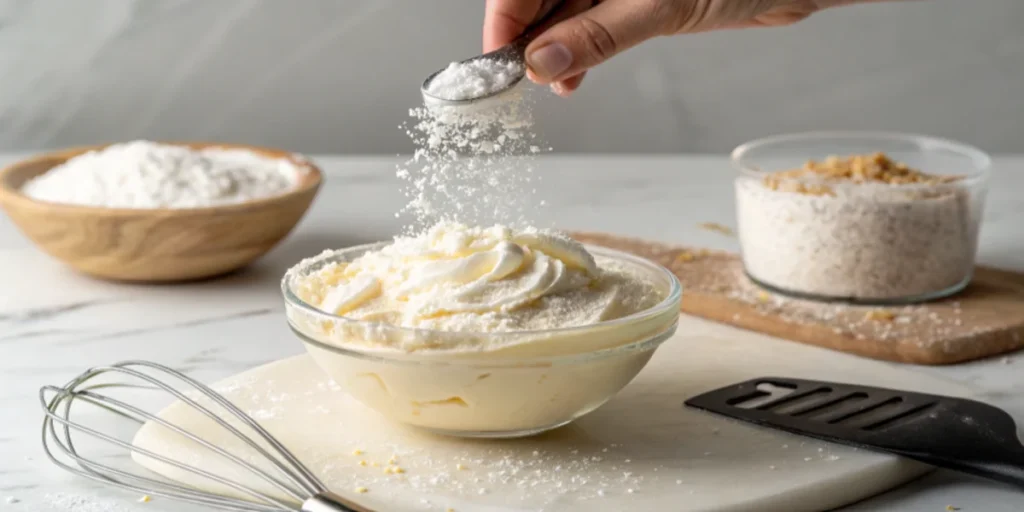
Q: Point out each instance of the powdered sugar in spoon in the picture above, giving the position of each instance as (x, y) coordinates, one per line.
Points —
(512, 56)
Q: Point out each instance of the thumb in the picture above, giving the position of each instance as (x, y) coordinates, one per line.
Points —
(595, 35)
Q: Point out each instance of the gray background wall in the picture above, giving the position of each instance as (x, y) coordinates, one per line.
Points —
(337, 76)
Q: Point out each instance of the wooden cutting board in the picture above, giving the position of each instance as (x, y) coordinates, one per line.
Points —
(986, 319)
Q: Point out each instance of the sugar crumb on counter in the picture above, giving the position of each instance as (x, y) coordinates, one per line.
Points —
(717, 228)
(689, 256)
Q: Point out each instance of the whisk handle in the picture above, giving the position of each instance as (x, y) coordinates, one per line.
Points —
(330, 502)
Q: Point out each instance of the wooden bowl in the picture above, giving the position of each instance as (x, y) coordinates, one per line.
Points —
(155, 245)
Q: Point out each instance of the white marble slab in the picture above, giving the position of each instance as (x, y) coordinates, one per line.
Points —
(55, 323)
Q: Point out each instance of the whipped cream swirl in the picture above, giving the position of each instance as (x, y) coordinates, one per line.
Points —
(454, 269)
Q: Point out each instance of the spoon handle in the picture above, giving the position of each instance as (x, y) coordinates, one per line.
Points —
(547, 8)
(517, 47)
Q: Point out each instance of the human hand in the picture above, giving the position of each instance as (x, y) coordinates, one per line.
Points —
(581, 34)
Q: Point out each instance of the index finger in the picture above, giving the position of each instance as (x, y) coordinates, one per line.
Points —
(504, 20)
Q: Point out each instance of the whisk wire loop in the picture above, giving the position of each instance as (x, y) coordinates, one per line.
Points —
(58, 431)
(65, 397)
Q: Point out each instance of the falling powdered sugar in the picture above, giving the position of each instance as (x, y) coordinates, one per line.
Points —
(472, 164)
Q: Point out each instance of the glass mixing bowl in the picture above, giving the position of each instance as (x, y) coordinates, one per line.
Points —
(538, 381)
(868, 243)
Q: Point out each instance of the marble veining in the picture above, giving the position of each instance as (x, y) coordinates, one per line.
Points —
(46, 313)
(55, 323)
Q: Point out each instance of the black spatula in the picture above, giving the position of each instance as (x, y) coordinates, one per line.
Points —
(952, 433)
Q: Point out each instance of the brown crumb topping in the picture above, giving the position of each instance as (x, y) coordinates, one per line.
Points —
(873, 168)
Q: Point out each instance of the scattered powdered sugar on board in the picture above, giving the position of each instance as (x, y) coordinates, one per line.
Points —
(474, 79)
(925, 324)
(266, 399)
(530, 476)
(386, 465)
(65, 502)
(472, 164)
(368, 455)
(143, 174)
(949, 326)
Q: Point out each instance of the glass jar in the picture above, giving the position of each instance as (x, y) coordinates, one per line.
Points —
(870, 242)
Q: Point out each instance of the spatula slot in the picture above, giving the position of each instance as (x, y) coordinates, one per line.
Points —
(797, 401)
(823, 411)
(765, 392)
(902, 417)
(750, 400)
(870, 412)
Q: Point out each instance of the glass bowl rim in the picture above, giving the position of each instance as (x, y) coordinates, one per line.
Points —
(671, 301)
(740, 159)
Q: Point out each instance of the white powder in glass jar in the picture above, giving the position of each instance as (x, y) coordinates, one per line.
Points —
(865, 241)
(474, 79)
(143, 174)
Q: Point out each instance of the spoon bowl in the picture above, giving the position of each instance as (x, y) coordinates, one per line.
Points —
(512, 52)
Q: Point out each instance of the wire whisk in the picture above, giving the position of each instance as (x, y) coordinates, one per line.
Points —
(63, 437)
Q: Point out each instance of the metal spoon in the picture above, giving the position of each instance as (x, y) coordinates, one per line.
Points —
(512, 52)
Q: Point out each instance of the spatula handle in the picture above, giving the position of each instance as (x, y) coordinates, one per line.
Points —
(1007, 471)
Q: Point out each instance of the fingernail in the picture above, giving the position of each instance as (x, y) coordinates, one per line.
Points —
(550, 61)
(560, 89)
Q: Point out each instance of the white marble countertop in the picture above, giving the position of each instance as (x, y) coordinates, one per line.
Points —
(56, 323)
